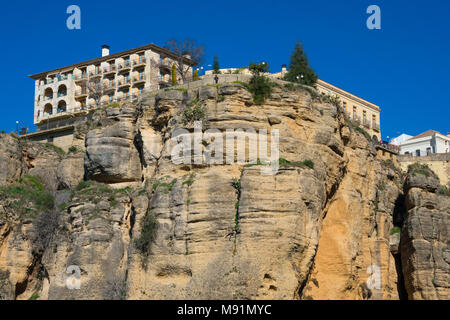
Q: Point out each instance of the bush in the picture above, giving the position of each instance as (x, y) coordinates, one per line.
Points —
(259, 85)
(148, 234)
(73, 149)
(28, 189)
(396, 230)
(443, 190)
(193, 112)
(55, 148)
(418, 168)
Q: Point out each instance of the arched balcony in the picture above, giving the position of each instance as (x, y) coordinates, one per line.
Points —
(48, 94)
(62, 91)
(48, 109)
(62, 106)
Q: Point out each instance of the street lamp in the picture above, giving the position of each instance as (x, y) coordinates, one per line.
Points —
(17, 127)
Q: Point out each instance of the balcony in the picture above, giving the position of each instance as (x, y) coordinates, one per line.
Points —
(366, 123)
(81, 77)
(109, 70)
(139, 78)
(110, 86)
(96, 73)
(356, 118)
(126, 65)
(62, 94)
(47, 98)
(376, 126)
(165, 66)
(139, 62)
(80, 93)
(123, 83)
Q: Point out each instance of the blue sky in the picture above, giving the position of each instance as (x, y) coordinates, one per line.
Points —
(404, 67)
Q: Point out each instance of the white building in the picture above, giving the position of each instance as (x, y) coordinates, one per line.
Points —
(426, 143)
(64, 93)
(398, 140)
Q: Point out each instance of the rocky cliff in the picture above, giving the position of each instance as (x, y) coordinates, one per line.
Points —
(334, 222)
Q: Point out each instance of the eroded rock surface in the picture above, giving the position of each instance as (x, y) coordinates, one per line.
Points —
(139, 226)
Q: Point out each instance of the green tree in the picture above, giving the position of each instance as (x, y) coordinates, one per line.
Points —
(196, 77)
(259, 85)
(174, 75)
(216, 68)
(299, 69)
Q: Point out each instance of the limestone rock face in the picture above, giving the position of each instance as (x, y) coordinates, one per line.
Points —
(425, 239)
(133, 223)
(111, 154)
(70, 171)
(10, 159)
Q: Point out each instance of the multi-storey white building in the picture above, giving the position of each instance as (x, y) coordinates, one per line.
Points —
(426, 143)
(62, 93)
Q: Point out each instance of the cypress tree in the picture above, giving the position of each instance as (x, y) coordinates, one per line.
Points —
(299, 69)
(216, 68)
(174, 75)
(196, 75)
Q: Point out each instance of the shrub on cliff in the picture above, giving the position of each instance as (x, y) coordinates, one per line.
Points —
(148, 234)
(28, 195)
(259, 85)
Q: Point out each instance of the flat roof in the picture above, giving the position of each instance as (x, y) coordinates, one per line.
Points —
(112, 56)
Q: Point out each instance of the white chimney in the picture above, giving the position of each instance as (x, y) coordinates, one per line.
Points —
(105, 50)
(283, 68)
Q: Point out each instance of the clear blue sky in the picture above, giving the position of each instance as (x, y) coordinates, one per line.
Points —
(404, 67)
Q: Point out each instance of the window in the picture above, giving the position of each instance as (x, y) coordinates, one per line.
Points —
(111, 97)
(126, 94)
(126, 61)
(126, 78)
(428, 151)
(97, 69)
(418, 152)
(141, 75)
(406, 153)
(141, 58)
(141, 90)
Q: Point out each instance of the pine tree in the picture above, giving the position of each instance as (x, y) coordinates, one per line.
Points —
(174, 75)
(299, 69)
(216, 68)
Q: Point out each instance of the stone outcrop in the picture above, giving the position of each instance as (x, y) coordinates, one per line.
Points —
(425, 237)
(140, 226)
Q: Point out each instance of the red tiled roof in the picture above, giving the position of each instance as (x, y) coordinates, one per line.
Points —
(425, 134)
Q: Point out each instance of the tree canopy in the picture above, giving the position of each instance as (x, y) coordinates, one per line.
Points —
(299, 69)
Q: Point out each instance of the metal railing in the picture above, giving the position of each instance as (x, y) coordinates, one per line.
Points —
(375, 126)
(366, 123)
(387, 146)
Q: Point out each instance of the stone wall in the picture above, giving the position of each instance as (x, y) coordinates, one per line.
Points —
(439, 163)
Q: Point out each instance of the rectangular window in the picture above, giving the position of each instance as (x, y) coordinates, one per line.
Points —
(141, 90)
(418, 152)
(97, 69)
(126, 78)
(141, 75)
(428, 151)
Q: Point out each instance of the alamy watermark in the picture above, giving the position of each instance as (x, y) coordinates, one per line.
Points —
(241, 146)
(374, 20)
(73, 22)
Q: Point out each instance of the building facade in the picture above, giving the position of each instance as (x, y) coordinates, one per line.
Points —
(63, 93)
(426, 143)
